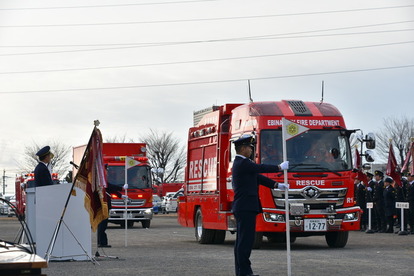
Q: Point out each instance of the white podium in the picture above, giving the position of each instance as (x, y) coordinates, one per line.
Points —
(43, 211)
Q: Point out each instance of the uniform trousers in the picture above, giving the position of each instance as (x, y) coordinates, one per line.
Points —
(246, 228)
(102, 237)
(381, 219)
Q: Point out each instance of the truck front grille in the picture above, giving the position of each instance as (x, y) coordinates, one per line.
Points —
(314, 197)
(130, 202)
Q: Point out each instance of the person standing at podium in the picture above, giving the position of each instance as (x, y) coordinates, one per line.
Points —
(42, 174)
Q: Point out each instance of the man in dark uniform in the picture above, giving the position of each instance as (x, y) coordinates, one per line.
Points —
(246, 205)
(370, 195)
(410, 200)
(42, 175)
(361, 201)
(389, 204)
(110, 189)
(400, 196)
(378, 200)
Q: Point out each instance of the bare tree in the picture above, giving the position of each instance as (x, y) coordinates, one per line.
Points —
(165, 152)
(399, 130)
(60, 161)
(117, 139)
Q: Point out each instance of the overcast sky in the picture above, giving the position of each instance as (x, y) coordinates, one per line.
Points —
(143, 64)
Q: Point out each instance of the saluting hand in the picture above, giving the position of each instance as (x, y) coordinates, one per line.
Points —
(284, 165)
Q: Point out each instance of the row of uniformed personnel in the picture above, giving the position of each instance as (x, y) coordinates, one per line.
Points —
(384, 193)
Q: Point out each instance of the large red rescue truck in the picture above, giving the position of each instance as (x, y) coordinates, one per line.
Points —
(321, 193)
(139, 202)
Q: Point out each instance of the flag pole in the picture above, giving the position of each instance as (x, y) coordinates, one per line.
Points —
(126, 200)
(284, 138)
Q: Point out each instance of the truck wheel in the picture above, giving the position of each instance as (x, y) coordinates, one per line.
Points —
(130, 223)
(336, 239)
(219, 236)
(258, 240)
(146, 223)
(203, 236)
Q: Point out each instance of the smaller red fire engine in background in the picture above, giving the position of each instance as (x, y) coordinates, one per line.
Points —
(27, 181)
(139, 202)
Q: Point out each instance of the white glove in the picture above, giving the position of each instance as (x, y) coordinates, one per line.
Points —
(125, 186)
(124, 197)
(283, 186)
(369, 189)
(284, 165)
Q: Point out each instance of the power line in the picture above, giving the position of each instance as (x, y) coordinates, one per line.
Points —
(280, 36)
(206, 60)
(199, 19)
(206, 82)
(106, 6)
(163, 43)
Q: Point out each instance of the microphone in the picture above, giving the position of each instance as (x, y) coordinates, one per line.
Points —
(73, 164)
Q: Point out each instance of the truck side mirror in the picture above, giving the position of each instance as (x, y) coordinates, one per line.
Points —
(370, 140)
(368, 156)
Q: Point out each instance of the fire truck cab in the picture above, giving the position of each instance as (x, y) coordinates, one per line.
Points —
(321, 194)
(139, 203)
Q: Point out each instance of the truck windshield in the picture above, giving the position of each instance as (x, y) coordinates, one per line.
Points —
(314, 150)
(138, 176)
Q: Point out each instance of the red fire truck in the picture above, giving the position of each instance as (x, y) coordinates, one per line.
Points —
(139, 203)
(321, 194)
(27, 181)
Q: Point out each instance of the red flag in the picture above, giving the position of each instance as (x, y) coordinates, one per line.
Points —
(410, 156)
(358, 168)
(392, 166)
(91, 179)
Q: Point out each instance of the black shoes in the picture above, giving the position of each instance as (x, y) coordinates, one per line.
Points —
(104, 245)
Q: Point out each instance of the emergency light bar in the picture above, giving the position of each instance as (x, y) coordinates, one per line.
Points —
(122, 158)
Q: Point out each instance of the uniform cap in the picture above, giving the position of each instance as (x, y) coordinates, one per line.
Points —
(245, 139)
(43, 151)
(370, 174)
(388, 180)
(379, 173)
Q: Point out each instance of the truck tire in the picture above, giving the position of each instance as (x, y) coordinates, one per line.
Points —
(336, 239)
(219, 236)
(203, 235)
(258, 240)
(146, 223)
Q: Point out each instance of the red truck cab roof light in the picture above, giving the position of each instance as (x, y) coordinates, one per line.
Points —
(122, 158)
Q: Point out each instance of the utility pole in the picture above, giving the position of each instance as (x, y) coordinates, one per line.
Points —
(4, 182)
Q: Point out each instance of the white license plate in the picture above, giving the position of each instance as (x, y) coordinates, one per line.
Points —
(315, 225)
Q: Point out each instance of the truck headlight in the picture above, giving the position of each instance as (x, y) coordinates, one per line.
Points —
(271, 217)
(351, 216)
(148, 211)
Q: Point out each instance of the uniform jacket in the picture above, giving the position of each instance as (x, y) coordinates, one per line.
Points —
(42, 175)
(370, 194)
(379, 193)
(246, 178)
(410, 194)
(361, 196)
(389, 200)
